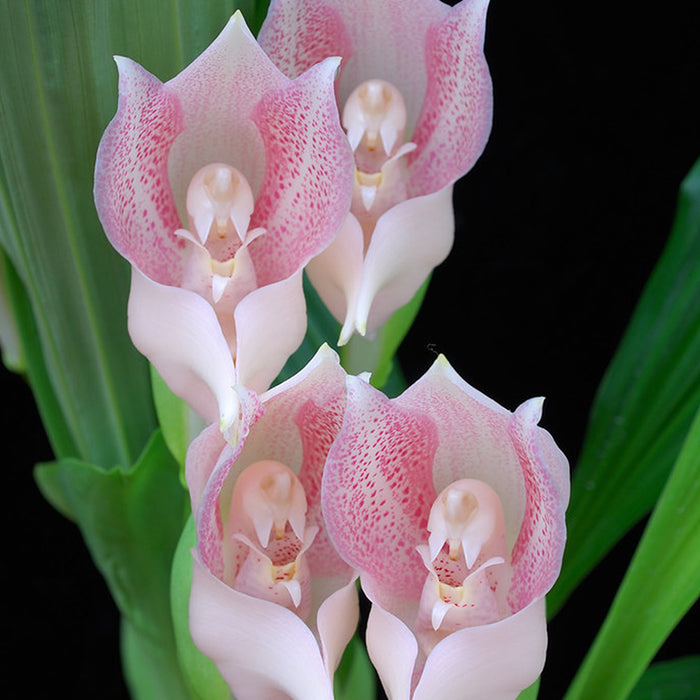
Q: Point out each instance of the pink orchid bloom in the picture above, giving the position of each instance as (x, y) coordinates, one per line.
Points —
(257, 167)
(452, 509)
(416, 101)
(271, 602)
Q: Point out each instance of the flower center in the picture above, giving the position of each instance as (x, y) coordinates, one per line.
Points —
(374, 118)
(268, 517)
(219, 205)
(466, 559)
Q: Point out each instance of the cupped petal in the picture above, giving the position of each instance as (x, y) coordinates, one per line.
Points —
(495, 661)
(218, 94)
(270, 325)
(455, 119)
(309, 173)
(538, 551)
(179, 333)
(302, 418)
(337, 272)
(258, 647)
(370, 36)
(473, 438)
(408, 241)
(377, 491)
(132, 192)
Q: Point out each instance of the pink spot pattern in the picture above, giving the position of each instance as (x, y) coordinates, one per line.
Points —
(455, 119)
(378, 490)
(309, 173)
(132, 189)
(299, 34)
(537, 554)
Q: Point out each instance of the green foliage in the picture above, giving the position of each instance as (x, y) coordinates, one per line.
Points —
(644, 405)
(670, 680)
(131, 520)
(661, 584)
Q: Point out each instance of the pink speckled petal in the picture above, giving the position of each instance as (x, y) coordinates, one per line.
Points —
(132, 191)
(219, 93)
(270, 325)
(455, 119)
(495, 661)
(377, 491)
(308, 177)
(179, 333)
(337, 272)
(473, 438)
(370, 36)
(538, 552)
(408, 241)
(262, 650)
(302, 418)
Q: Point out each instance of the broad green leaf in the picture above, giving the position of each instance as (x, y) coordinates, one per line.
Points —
(148, 667)
(58, 90)
(52, 418)
(643, 407)
(131, 520)
(355, 677)
(201, 676)
(662, 582)
(670, 680)
(531, 692)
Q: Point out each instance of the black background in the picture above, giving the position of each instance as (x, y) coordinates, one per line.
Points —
(558, 227)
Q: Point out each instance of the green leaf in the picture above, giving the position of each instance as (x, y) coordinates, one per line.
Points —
(662, 582)
(670, 680)
(531, 692)
(200, 673)
(643, 407)
(131, 520)
(355, 677)
(52, 417)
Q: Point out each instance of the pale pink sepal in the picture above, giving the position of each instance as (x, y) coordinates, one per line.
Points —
(495, 661)
(408, 241)
(262, 650)
(337, 273)
(393, 650)
(179, 332)
(270, 326)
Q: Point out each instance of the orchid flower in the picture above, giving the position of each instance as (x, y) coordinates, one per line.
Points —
(415, 96)
(218, 186)
(271, 602)
(452, 509)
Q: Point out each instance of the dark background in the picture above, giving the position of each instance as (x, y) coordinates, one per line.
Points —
(558, 227)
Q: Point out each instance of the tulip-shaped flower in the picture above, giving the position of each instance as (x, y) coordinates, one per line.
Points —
(452, 509)
(218, 186)
(415, 96)
(271, 602)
